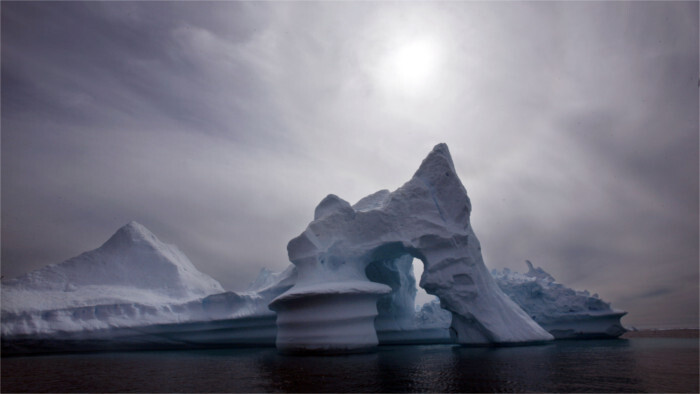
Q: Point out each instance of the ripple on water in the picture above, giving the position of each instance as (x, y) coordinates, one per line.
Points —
(634, 365)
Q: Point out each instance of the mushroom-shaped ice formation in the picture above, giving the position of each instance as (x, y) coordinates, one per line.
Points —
(333, 304)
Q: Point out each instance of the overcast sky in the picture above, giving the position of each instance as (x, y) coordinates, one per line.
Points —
(220, 126)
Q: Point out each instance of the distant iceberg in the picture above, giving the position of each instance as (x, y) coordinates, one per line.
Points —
(564, 312)
(134, 291)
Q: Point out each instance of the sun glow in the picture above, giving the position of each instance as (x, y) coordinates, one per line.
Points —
(412, 66)
(414, 61)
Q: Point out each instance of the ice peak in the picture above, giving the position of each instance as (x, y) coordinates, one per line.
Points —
(438, 162)
(373, 201)
(131, 233)
(331, 204)
(538, 272)
(437, 173)
(136, 228)
(131, 258)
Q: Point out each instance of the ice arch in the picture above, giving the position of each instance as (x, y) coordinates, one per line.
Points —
(396, 310)
(333, 304)
(398, 320)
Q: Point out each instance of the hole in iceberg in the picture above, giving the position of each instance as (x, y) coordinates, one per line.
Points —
(422, 297)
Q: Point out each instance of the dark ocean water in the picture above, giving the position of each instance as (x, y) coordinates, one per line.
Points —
(621, 365)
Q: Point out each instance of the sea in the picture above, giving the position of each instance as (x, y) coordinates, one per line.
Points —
(613, 365)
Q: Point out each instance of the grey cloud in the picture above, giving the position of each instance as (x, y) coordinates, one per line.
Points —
(655, 292)
(85, 66)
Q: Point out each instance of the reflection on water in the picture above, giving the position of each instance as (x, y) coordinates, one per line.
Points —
(635, 365)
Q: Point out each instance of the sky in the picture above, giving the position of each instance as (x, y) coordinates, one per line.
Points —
(220, 126)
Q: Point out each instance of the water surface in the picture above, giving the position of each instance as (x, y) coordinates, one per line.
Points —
(622, 365)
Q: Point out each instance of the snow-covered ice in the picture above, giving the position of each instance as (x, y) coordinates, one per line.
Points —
(564, 312)
(350, 286)
(132, 266)
(426, 218)
(133, 284)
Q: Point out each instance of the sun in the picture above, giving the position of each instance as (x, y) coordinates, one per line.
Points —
(411, 66)
(414, 61)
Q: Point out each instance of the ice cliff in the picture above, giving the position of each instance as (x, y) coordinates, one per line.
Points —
(564, 312)
(426, 218)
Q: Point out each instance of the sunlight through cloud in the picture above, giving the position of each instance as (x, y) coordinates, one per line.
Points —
(411, 67)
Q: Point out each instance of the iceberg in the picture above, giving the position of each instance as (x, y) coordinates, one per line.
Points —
(130, 277)
(332, 305)
(564, 312)
(350, 286)
(134, 291)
